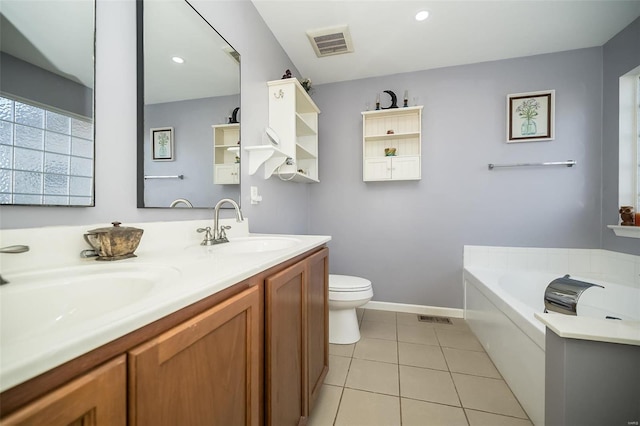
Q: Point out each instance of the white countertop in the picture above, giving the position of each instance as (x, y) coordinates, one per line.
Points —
(596, 329)
(197, 272)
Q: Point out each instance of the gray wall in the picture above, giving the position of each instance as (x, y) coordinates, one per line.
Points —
(408, 237)
(27, 81)
(285, 205)
(621, 54)
(193, 149)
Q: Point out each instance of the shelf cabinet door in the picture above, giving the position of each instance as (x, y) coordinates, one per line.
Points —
(405, 168)
(203, 372)
(317, 322)
(285, 345)
(377, 168)
(226, 174)
(97, 398)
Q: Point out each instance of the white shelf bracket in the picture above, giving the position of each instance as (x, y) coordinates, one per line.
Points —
(269, 155)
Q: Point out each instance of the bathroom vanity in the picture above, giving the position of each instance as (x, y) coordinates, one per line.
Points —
(252, 351)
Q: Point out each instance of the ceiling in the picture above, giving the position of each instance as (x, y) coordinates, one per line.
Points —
(388, 40)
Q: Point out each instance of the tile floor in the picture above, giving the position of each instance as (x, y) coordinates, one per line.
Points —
(411, 373)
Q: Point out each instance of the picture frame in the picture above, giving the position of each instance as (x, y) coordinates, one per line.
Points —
(531, 116)
(162, 143)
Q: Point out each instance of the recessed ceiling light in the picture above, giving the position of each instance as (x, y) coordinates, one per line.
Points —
(177, 60)
(422, 15)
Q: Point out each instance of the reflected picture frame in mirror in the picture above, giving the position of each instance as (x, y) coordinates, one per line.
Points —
(197, 95)
(47, 103)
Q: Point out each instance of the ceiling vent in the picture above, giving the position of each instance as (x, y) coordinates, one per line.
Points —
(331, 41)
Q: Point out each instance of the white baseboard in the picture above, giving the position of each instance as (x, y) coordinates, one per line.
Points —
(415, 309)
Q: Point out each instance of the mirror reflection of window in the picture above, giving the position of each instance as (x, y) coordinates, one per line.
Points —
(46, 102)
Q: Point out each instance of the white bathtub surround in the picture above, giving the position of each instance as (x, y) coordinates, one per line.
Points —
(196, 272)
(497, 310)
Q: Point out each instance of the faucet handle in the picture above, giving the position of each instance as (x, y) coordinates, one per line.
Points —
(208, 237)
(223, 233)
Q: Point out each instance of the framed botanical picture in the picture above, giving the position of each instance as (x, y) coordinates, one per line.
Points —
(531, 116)
(162, 143)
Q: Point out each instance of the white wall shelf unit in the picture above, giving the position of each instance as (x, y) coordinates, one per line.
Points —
(396, 128)
(294, 117)
(226, 151)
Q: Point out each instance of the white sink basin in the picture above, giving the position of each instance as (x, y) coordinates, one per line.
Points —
(35, 303)
(247, 245)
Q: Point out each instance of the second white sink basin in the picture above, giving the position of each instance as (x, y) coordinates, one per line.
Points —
(258, 244)
(246, 245)
(34, 303)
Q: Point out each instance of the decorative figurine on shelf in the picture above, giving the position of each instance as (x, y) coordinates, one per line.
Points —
(627, 216)
(234, 116)
(406, 99)
(287, 74)
(394, 99)
(377, 101)
(306, 85)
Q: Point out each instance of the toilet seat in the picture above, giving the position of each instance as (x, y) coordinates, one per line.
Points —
(347, 283)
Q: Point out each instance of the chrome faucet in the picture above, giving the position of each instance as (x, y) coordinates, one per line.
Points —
(181, 201)
(12, 250)
(219, 233)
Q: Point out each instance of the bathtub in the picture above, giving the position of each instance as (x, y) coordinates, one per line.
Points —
(500, 306)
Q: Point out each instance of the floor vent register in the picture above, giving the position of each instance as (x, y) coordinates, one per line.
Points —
(437, 320)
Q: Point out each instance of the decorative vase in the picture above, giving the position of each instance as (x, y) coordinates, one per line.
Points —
(528, 128)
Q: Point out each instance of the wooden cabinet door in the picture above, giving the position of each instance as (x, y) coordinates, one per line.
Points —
(317, 322)
(285, 345)
(97, 398)
(203, 372)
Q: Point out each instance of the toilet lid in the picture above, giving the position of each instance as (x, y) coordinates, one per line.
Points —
(348, 283)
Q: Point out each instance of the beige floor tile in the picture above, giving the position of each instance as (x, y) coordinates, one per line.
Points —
(470, 362)
(479, 418)
(381, 316)
(341, 350)
(409, 319)
(425, 356)
(377, 350)
(427, 385)
(338, 369)
(373, 376)
(326, 406)
(458, 339)
(485, 394)
(378, 330)
(359, 408)
(417, 334)
(420, 413)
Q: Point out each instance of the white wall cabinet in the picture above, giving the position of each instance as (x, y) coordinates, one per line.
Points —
(294, 117)
(226, 148)
(399, 129)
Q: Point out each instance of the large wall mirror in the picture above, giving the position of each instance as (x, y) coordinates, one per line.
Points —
(188, 109)
(46, 102)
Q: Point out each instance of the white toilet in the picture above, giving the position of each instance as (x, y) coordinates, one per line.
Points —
(346, 293)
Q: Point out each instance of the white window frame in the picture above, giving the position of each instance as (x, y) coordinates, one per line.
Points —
(629, 139)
